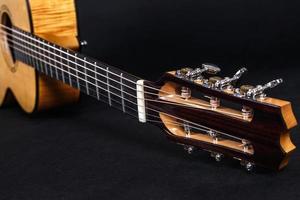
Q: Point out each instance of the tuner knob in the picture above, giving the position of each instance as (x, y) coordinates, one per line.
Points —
(211, 68)
(245, 88)
(217, 156)
(249, 166)
(183, 72)
(214, 79)
(189, 149)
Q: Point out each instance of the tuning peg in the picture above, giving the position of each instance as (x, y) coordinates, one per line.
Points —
(189, 149)
(182, 73)
(217, 156)
(245, 88)
(258, 91)
(206, 68)
(249, 166)
(228, 81)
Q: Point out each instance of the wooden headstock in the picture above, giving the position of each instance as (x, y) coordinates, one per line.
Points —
(213, 114)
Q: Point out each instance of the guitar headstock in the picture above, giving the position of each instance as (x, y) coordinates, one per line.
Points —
(199, 109)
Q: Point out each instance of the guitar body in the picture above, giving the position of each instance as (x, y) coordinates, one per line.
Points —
(53, 20)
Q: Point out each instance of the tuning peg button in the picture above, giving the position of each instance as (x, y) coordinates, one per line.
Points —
(183, 72)
(212, 80)
(245, 88)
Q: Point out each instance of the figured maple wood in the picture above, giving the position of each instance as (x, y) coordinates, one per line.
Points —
(55, 21)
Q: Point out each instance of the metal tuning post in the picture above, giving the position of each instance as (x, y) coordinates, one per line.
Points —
(187, 129)
(213, 135)
(186, 93)
(227, 82)
(258, 91)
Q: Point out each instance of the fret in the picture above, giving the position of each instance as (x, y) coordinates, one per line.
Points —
(62, 65)
(86, 78)
(32, 53)
(37, 53)
(76, 67)
(27, 58)
(96, 81)
(122, 92)
(69, 71)
(54, 62)
(42, 54)
(49, 62)
(108, 88)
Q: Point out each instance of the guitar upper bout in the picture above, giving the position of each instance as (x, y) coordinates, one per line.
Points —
(32, 91)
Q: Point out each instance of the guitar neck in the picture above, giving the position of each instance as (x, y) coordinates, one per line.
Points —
(108, 84)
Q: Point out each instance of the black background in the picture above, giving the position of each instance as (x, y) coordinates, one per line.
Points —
(92, 151)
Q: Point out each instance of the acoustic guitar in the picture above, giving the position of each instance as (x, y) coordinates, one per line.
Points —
(41, 68)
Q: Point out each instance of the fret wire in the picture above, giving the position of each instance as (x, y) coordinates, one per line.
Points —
(78, 85)
(108, 78)
(43, 56)
(112, 93)
(41, 69)
(46, 67)
(37, 67)
(33, 60)
(86, 82)
(15, 29)
(27, 58)
(68, 64)
(61, 61)
(108, 86)
(56, 68)
(54, 47)
(113, 100)
(108, 72)
(122, 92)
(96, 81)
(50, 67)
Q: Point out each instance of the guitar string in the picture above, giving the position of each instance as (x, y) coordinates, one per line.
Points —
(85, 80)
(111, 86)
(149, 108)
(42, 41)
(61, 63)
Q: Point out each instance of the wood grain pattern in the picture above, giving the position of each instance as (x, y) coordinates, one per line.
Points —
(175, 129)
(55, 21)
(22, 83)
(268, 131)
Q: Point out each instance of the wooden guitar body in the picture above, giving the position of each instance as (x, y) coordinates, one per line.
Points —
(54, 21)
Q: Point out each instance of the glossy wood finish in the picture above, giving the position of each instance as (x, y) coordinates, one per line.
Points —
(268, 131)
(22, 83)
(54, 21)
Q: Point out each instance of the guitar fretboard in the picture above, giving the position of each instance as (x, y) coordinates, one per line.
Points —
(99, 80)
